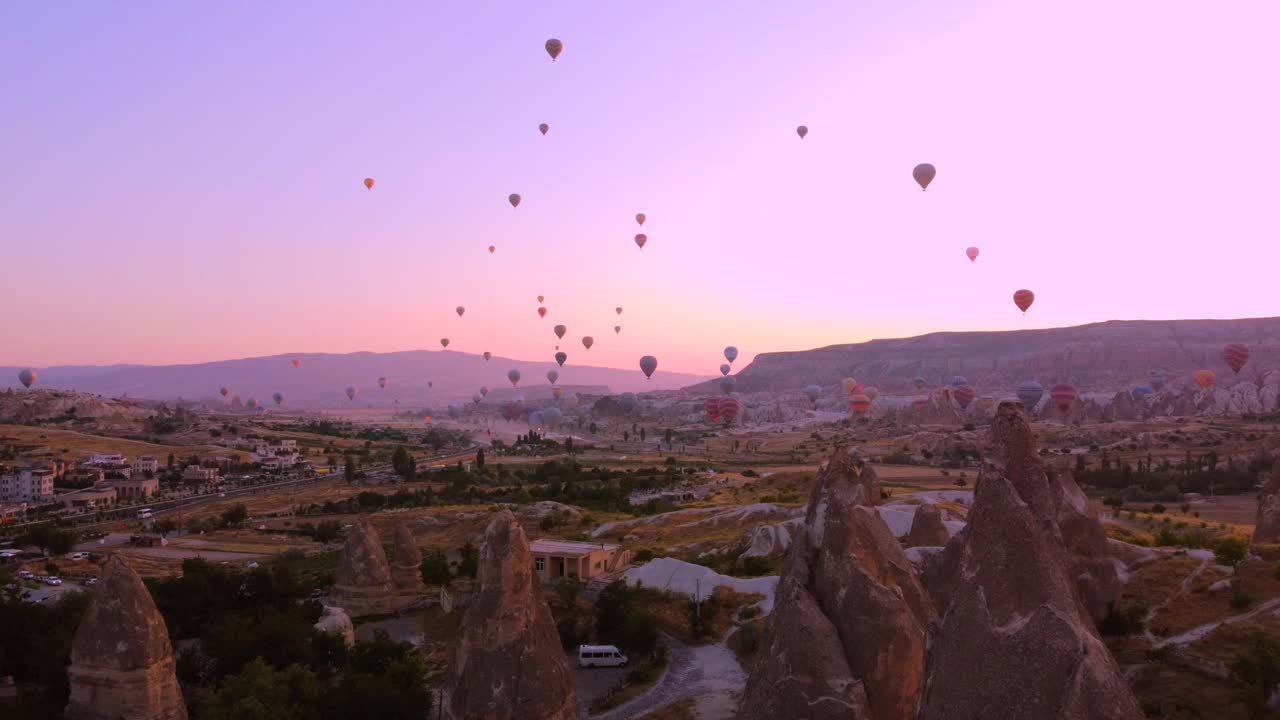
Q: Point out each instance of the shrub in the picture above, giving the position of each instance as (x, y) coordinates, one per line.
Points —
(755, 566)
(644, 555)
(1158, 508)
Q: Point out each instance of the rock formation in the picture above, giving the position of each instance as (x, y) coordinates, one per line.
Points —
(508, 663)
(927, 529)
(847, 635)
(122, 665)
(406, 563)
(1015, 641)
(362, 583)
(1267, 524)
(335, 621)
(871, 485)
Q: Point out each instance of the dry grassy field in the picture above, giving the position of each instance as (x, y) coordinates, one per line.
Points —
(73, 445)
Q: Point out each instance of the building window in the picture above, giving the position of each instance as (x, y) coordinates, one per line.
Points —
(539, 564)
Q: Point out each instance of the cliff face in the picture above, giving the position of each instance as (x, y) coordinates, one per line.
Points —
(1110, 355)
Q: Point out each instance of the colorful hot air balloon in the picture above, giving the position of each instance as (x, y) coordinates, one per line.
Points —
(617, 329)
(848, 384)
(641, 239)
(588, 341)
(918, 402)
(1205, 378)
(725, 368)
(382, 383)
(460, 310)
(1023, 299)
(728, 384)
(223, 391)
(640, 218)
(731, 354)
(1155, 380)
(618, 310)
(959, 380)
(1236, 356)
(351, 392)
(859, 404)
(648, 364)
(1063, 395)
(542, 312)
(444, 342)
(942, 395)
(802, 131)
(712, 405)
(972, 253)
(492, 248)
(1029, 393)
(487, 355)
(541, 298)
(813, 392)
(557, 392)
(278, 398)
(554, 48)
(729, 409)
(872, 392)
(552, 376)
(543, 128)
(484, 391)
(924, 174)
(963, 395)
(296, 362)
(1138, 392)
(919, 383)
(514, 376)
(514, 199)
(368, 183)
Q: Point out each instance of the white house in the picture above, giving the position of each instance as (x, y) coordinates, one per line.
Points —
(108, 459)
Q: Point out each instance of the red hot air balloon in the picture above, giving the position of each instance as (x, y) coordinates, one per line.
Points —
(963, 395)
(1205, 378)
(588, 341)
(802, 131)
(618, 310)
(560, 330)
(460, 310)
(641, 239)
(491, 249)
(712, 405)
(640, 218)
(296, 362)
(617, 329)
(859, 403)
(729, 409)
(971, 253)
(514, 199)
(1063, 395)
(1023, 299)
(223, 391)
(542, 312)
(1236, 356)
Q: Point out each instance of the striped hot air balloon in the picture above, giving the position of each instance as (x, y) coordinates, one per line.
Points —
(712, 405)
(963, 395)
(1023, 299)
(859, 404)
(1236, 356)
(729, 409)
(1063, 395)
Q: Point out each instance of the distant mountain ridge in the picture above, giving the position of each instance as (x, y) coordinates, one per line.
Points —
(322, 378)
(1101, 356)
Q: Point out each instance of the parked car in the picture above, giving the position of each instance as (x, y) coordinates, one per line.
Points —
(26, 574)
(52, 581)
(78, 556)
(90, 581)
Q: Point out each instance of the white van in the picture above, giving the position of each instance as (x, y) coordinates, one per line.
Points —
(600, 656)
(145, 514)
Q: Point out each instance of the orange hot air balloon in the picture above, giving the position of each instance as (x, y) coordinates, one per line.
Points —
(543, 128)
(514, 199)
(972, 253)
(1236, 355)
(1023, 299)
(859, 403)
(554, 48)
(368, 183)
(924, 174)
(641, 239)
(1063, 395)
(1205, 378)
(542, 312)
(491, 249)
(295, 362)
(802, 131)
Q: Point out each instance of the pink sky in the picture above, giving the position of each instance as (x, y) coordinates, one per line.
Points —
(182, 182)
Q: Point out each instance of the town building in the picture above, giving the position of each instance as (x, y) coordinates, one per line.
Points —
(85, 475)
(108, 459)
(199, 475)
(92, 497)
(283, 455)
(145, 464)
(555, 559)
(12, 512)
(135, 489)
(33, 485)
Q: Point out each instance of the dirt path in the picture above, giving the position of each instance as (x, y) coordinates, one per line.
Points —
(1200, 632)
(1186, 588)
(708, 673)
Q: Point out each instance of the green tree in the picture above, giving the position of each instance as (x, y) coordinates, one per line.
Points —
(260, 692)
(349, 470)
(327, 531)
(1257, 670)
(592, 427)
(567, 591)
(384, 679)
(235, 515)
(470, 562)
(50, 539)
(1231, 552)
(400, 461)
(480, 459)
(435, 569)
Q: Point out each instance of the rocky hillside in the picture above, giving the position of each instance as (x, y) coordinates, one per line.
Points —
(1102, 356)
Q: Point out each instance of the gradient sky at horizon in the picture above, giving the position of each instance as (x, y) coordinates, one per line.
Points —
(183, 181)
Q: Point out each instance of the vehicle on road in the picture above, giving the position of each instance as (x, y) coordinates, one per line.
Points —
(600, 656)
(52, 581)
(26, 574)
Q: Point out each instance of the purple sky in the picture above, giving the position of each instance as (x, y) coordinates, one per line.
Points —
(182, 181)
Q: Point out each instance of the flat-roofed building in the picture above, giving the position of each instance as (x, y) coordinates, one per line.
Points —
(89, 497)
(145, 464)
(555, 559)
(135, 489)
(197, 474)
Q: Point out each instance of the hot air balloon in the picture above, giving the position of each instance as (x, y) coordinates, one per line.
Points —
(648, 364)
(918, 402)
(729, 409)
(278, 398)
(872, 392)
(959, 380)
(1138, 392)
(251, 403)
(368, 183)
(455, 412)
(535, 419)
(924, 174)
(618, 310)
(731, 354)
(1063, 395)
(640, 218)
(617, 329)
(588, 341)
(460, 310)
(351, 392)
(963, 395)
(492, 248)
(512, 410)
(919, 383)
(259, 410)
(728, 384)
(554, 48)
(641, 239)
(942, 395)
(559, 330)
(848, 384)
(551, 417)
(542, 312)
(444, 342)
(1236, 356)
(514, 376)
(1205, 378)
(223, 391)
(557, 392)
(1023, 299)
(859, 403)
(802, 131)
(627, 401)
(382, 383)
(543, 128)
(484, 391)
(541, 298)
(487, 355)
(560, 358)
(712, 405)
(1029, 393)
(553, 376)
(514, 199)
(725, 368)
(475, 399)
(813, 392)
(296, 362)
(1155, 380)
(972, 253)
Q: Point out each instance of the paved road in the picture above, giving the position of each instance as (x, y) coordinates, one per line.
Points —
(709, 673)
